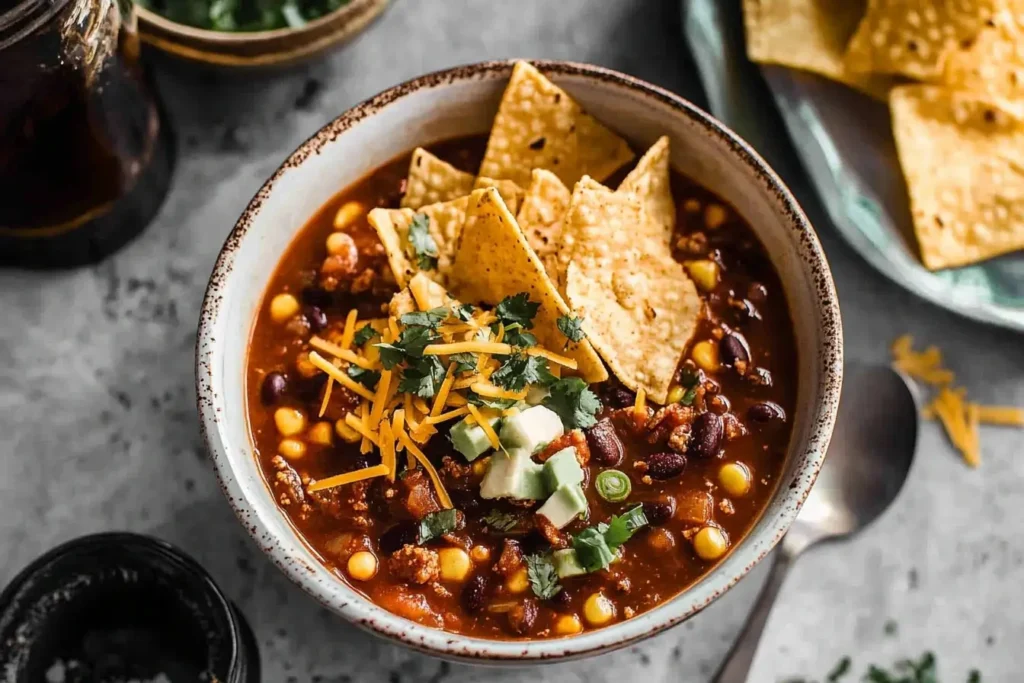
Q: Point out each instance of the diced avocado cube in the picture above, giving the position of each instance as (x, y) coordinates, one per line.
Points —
(536, 394)
(567, 563)
(470, 439)
(513, 474)
(531, 429)
(562, 469)
(564, 505)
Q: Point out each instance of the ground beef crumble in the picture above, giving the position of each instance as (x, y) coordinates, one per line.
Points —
(414, 564)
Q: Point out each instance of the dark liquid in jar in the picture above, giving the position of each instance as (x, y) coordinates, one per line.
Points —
(84, 157)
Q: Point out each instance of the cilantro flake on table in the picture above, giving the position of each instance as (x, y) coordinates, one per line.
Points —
(540, 570)
(422, 243)
(520, 370)
(574, 403)
(517, 309)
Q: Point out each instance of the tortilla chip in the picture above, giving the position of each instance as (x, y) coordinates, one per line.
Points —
(639, 308)
(539, 126)
(912, 37)
(650, 182)
(510, 193)
(392, 226)
(810, 35)
(494, 260)
(427, 293)
(963, 159)
(431, 181)
(992, 65)
(541, 213)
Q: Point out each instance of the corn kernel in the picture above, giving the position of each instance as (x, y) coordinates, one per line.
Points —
(289, 421)
(283, 308)
(293, 449)
(691, 205)
(710, 543)
(735, 479)
(455, 564)
(347, 214)
(705, 355)
(675, 394)
(321, 434)
(568, 625)
(339, 244)
(598, 610)
(480, 466)
(347, 434)
(715, 216)
(480, 553)
(705, 273)
(362, 566)
(518, 582)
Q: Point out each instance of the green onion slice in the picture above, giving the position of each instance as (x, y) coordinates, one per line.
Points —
(613, 485)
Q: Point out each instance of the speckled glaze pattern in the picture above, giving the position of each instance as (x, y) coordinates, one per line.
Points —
(702, 148)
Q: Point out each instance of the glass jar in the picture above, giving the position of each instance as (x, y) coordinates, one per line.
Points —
(85, 159)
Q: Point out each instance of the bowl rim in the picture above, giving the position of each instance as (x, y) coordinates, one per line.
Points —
(361, 611)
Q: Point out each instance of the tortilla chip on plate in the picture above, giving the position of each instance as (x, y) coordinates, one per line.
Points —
(963, 159)
(444, 225)
(912, 37)
(510, 193)
(540, 215)
(432, 180)
(639, 307)
(539, 126)
(650, 182)
(494, 261)
(993, 64)
(810, 35)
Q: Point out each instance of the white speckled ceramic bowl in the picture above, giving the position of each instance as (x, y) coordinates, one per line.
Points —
(457, 102)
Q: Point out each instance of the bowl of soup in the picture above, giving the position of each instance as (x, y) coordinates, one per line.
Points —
(519, 361)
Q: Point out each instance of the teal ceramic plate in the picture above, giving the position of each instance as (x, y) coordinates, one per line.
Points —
(844, 142)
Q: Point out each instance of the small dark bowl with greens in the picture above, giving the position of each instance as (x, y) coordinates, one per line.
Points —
(252, 33)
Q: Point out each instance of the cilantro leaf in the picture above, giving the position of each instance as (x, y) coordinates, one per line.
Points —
(368, 378)
(540, 570)
(409, 346)
(517, 309)
(423, 245)
(572, 328)
(500, 521)
(463, 312)
(363, 335)
(519, 370)
(390, 355)
(431, 318)
(463, 361)
(496, 403)
(516, 336)
(423, 377)
(688, 378)
(622, 527)
(592, 549)
(574, 402)
(437, 524)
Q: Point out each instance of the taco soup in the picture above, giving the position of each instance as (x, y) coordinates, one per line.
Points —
(523, 384)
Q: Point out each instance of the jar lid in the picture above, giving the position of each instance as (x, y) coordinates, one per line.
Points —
(119, 607)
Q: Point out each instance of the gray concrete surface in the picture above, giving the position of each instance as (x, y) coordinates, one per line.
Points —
(98, 428)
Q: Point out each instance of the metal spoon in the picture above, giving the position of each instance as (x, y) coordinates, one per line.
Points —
(868, 460)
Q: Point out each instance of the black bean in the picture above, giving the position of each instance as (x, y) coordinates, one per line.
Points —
(273, 388)
(766, 412)
(316, 296)
(522, 617)
(666, 465)
(401, 534)
(620, 397)
(474, 595)
(605, 446)
(562, 599)
(316, 317)
(705, 436)
(660, 511)
(732, 348)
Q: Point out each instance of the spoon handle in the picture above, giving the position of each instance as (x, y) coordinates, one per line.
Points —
(738, 661)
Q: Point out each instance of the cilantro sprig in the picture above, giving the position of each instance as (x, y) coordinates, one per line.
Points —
(573, 401)
(464, 362)
(572, 328)
(363, 335)
(517, 309)
(423, 377)
(368, 378)
(408, 347)
(540, 570)
(422, 243)
(437, 524)
(519, 370)
(596, 546)
(430, 319)
(500, 521)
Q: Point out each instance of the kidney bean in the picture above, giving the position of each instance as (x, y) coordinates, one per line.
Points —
(316, 317)
(705, 436)
(273, 388)
(474, 594)
(522, 617)
(401, 534)
(666, 465)
(732, 348)
(620, 397)
(759, 377)
(659, 511)
(766, 412)
(562, 599)
(605, 446)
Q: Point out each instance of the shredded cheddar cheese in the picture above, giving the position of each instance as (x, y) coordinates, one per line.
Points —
(484, 425)
(350, 329)
(553, 357)
(450, 415)
(442, 393)
(490, 391)
(380, 399)
(467, 347)
(414, 450)
(387, 449)
(340, 377)
(338, 352)
(348, 478)
(360, 427)
(640, 405)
